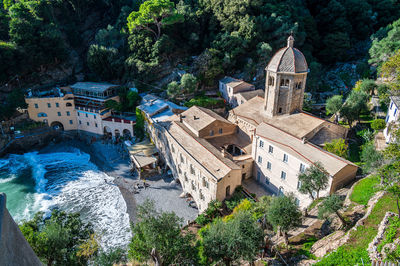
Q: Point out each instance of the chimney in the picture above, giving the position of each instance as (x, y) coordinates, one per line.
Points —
(180, 118)
(304, 140)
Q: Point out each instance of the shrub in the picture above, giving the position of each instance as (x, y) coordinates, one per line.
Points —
(378, 124)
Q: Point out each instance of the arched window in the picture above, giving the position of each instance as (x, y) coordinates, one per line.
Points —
(299, 85)
(282, 82)
(42, 115)
(68, 104)
(287, 82)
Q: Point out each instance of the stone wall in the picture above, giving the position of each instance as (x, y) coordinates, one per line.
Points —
(14, 249)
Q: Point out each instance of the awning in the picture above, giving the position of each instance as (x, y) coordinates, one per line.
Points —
(142, 153)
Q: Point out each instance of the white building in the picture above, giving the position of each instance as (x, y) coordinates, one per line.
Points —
(229, 88)
(392, 117)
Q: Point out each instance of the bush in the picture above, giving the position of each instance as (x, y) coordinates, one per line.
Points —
(206, 102)
(378, 124)
(202, 219)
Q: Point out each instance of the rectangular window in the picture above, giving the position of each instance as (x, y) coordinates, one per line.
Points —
(302, 168)
(87, 123)
(391, 105)
(95, 124)
(261, 143)
(211, 132)
(68, 113)
(71, 122)
(80, 122)
(285, 158)
(297, 201)
(94, 116)
(267, 180)
(205, 183)
(220, 131)
(36, 105)
(269, 165)
(259, 159)
(283, 175)
(86, 115)
(79, 114)
(298, 184)
(395, 111)
(192, 170)
(59, 113)
(57, 105)
(270, 149)
(48, 105)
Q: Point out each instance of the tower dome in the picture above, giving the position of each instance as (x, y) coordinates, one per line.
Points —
(288, 60)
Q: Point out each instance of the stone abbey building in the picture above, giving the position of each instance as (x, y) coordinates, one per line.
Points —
(267, 140)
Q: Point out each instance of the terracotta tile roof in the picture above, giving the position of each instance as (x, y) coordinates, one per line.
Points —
(199, 117)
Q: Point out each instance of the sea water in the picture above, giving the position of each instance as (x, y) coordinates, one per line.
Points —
(69, 181)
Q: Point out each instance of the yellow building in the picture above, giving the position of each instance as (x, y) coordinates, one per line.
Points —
(53, 108)
(81, 107)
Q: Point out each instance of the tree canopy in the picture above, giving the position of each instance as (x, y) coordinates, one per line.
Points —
(157, 236)
(284, 214)
(314, 179)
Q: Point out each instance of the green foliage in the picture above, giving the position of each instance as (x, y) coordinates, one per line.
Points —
(364, 190)
(356, 247)
(331, 204)
(366, 134)
(371, 158)
(314, 179)
(159, 13)
(385, 43)
(162, 232)
(368, 86)
(14, 100)
(105, 62)
(234, 240)
(284, 213)
(35, 33)
(58, 240)
(378, 124)
(235, 199)
(355, 104)
(391, 232)
(338, 147)
(204, 101)
(188, 83)
(212, 212)
(139, 126)
(110, 257)
(391, 70)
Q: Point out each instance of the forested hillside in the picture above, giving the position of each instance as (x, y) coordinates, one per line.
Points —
(45, 41)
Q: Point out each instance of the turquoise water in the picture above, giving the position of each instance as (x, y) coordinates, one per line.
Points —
(67, 180)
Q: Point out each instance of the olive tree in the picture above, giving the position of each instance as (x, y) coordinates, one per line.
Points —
(313, 180)
(284, 214)
(331, 204)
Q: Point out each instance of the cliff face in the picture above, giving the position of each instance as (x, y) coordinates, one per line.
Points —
(14, 249)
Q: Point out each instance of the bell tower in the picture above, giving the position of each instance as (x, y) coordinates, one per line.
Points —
(286, 76)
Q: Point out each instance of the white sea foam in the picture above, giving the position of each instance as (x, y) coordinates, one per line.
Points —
(69, 180)
(8, 179)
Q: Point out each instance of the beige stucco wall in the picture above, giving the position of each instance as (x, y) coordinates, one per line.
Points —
(343, 177)
(227, 129)
(113, 126)
(53, 111)
(192, 182)
(89, 121)
(291, 168)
